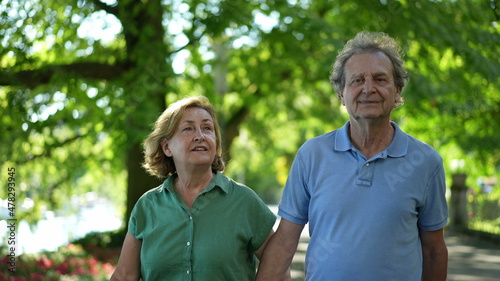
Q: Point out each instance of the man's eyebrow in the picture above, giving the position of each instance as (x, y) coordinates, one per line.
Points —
(356, 75)
(380, 74)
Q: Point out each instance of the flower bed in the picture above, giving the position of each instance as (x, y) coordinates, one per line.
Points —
(71, 262)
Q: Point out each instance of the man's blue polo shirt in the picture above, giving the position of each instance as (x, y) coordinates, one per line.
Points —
(364, 214)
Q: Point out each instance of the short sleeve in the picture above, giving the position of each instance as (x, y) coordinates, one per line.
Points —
(294, 205)
(135, 221)
(433, 214)
(263, 220)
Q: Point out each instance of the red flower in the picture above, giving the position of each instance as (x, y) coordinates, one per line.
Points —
(63, 268)
(44, 263)
(108, 268)
(93, 266)
(36, 276)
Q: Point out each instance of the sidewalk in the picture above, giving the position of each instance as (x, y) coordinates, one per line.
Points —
(469, 259)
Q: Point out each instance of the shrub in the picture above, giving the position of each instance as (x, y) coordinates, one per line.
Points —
(73, 262)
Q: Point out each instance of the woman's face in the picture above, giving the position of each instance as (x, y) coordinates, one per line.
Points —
(194, 141)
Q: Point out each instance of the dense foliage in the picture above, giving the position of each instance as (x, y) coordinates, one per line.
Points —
(82, 80)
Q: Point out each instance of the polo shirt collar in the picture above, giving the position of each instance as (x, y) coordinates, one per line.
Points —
(218, 181)
(399, 144)
(342, 141)
(397, 148)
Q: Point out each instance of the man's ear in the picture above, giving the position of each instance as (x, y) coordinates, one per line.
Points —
(164, 147)
(397, 97)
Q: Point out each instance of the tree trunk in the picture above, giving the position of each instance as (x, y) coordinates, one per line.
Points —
(138, 180)
(145, 86)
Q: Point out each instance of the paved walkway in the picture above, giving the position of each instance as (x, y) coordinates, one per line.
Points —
(470, 259)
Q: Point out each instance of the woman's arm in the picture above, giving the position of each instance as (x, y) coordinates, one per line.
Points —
(129, 264)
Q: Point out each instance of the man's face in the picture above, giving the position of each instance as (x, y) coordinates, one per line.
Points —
(369, 91)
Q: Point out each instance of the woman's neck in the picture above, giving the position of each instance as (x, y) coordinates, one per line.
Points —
(189, 186)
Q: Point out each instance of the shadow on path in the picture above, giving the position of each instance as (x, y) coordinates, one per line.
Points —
(471, 259)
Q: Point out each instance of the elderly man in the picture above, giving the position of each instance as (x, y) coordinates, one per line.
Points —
(374, 196)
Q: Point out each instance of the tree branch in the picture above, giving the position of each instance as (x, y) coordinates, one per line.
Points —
(48, 150)
(190, 42)
(36, 77)
(494, 6)
(234, 123)
(107, 8)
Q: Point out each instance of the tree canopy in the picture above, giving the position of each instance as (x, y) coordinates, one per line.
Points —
(81, 81)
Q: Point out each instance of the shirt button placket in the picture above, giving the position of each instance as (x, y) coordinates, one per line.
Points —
(189, 246)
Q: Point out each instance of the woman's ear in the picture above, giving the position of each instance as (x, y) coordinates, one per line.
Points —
(164, 147)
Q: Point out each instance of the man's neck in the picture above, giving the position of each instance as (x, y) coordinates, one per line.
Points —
(371, 137)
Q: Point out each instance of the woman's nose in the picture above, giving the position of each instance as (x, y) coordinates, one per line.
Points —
(198, 136)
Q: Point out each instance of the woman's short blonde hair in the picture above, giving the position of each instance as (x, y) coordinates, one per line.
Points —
(155, 161)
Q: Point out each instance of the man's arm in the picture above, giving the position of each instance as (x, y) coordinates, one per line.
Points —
(435, 255)
(129, 264)
(260, 252)
(279, 251)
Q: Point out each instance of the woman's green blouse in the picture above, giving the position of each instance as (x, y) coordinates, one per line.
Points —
(214, 240)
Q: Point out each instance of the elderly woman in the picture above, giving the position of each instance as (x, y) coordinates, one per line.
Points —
(199, 224)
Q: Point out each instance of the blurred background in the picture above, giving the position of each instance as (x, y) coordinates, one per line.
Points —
(82, 81)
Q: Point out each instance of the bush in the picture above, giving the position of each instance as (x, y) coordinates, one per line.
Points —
(112, 239)
(90, 258)
(483, 212)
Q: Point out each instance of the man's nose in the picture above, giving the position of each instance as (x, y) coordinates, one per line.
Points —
(368, 86)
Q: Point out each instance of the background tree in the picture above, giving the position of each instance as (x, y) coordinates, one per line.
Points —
(83, 80)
